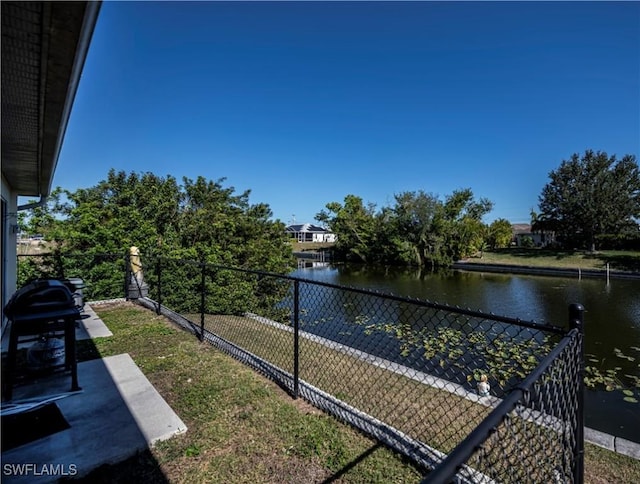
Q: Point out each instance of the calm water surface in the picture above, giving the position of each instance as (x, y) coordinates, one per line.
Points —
(612, 318)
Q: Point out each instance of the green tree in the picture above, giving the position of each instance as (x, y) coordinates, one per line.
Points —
(389, 246)
(121, 211)
(591, 195)
(354, 226)
(418, 229)
(199, 220)
(500, 234)
(416, 221)
(462, 226)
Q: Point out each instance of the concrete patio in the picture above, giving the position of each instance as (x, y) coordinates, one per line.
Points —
(116, 414)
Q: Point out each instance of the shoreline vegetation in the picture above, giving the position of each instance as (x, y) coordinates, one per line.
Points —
(620, 261)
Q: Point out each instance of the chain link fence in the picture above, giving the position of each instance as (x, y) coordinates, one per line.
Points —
(419, 376)
(472, 397)
(536, 432)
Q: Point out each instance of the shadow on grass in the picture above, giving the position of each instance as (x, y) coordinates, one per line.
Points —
(349, 467)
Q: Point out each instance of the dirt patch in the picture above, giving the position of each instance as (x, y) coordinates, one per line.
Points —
(294, 470)
(306, 408)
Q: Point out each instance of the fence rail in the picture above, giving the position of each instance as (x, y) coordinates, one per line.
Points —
(409, 372)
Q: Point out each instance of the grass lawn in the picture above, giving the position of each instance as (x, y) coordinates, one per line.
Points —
(244, 428)
(617, 260)
(436, 417)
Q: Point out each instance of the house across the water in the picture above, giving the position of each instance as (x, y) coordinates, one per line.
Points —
(539, 238)
(310, 233)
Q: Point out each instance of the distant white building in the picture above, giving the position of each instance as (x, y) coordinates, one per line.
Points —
(310, 233)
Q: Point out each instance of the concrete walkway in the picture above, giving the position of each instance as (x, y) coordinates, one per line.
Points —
(116, 414)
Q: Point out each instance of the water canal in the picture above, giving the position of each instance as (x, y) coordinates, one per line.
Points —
(612, 317)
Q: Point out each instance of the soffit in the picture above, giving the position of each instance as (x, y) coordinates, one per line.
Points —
(44, 45)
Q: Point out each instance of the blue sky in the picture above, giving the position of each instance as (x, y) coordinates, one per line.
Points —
(304, 103)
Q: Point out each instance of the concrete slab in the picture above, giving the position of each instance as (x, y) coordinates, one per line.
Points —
(117, 413)
(92, 326)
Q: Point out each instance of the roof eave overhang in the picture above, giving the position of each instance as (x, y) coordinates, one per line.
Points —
(35, 114)
(56, 136)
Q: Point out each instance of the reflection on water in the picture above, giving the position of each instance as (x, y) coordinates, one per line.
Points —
(612, 317)
(311, 264)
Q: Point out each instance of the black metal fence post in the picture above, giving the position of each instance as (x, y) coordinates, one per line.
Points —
(127, 274)
(576, 321)
(203, 276)
(296, 338)
(159, 273)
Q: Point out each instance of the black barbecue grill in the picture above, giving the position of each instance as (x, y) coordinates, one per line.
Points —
(42, 308)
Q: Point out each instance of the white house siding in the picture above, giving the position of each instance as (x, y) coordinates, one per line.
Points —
(9, 267)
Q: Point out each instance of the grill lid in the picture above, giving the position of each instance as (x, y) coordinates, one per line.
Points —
(43, 295)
